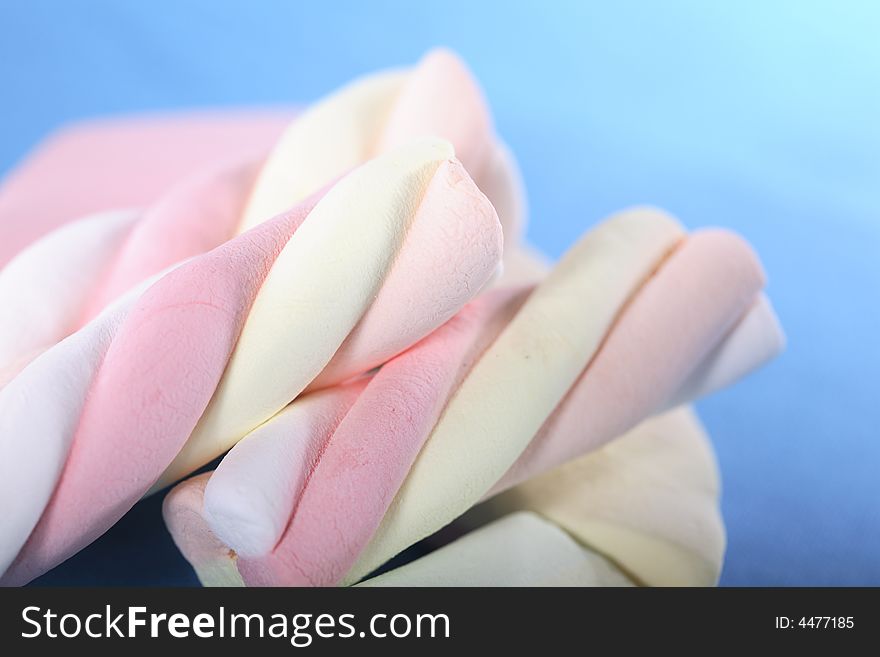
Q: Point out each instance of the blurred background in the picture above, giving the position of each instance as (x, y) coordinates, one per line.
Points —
(762, 117)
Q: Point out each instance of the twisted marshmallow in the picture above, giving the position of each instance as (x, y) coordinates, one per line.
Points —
(418, 240)
(654, 351)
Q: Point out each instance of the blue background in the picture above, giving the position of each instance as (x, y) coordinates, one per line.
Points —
(764, 117)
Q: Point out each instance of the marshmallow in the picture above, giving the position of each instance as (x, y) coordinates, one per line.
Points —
(186, 332)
